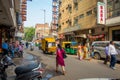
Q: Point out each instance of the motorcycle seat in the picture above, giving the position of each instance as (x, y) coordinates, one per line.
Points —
(26, 68)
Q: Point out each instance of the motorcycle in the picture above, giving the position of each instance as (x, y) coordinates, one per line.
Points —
(31, 47)
(31, 71)
(19, 54)
(4, 63)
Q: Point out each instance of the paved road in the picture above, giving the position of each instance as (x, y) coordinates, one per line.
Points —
(76, 69)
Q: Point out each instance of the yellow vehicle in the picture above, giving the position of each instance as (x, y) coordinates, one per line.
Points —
(70, 47)
(48, 45)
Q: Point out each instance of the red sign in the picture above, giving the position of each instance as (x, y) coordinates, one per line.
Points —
(101, 13)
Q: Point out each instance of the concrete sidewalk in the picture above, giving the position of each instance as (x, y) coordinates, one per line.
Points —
(76, 69)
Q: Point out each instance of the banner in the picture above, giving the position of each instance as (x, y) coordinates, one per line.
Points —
(100, 13)
(94, 37)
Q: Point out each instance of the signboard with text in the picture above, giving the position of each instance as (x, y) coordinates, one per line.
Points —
(100, 13)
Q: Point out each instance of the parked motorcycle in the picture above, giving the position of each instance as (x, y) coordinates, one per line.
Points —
(19, 54)
(4, 63)
(29, 72)
(31, 47)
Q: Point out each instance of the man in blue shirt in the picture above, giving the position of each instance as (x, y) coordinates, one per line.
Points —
(107, 54)
(5, 47)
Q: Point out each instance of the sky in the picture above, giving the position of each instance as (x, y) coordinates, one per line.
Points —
(35, 13)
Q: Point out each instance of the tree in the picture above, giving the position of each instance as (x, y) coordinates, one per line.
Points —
(29, 33)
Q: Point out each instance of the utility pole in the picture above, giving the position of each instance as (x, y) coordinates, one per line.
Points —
(44, 19)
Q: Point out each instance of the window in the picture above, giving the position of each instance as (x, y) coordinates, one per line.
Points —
(62, 10)
(70, 9)
(100, 44)
(50, 44)
(76, 20)
(117, 46)
(81, 16)
(69, 23)
(76, 6)
(63, 23)
(113, 8)
(89, 12)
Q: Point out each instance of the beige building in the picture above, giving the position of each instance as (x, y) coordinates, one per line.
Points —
(78, 18)
(42, 30)
(113, 19)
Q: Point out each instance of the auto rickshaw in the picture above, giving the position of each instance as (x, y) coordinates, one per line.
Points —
(69, 47)
(48, 45)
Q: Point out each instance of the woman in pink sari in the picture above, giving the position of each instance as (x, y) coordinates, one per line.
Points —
(60, 59)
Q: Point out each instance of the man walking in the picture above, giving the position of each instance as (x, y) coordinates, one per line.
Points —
(112, 52)
(5, 47)
(107, 54)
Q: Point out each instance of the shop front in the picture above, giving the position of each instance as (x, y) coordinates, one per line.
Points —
(114, 33)
(69, 33)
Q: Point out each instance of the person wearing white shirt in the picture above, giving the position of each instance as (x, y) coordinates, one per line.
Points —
(112, 52)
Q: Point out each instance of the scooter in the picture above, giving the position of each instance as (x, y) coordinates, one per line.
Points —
(26, 72)
(29, 72)
(4, 63)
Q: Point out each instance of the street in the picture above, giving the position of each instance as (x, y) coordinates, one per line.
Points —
(75, 69)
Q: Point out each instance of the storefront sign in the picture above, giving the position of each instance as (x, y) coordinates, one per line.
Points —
(98, 36)
(100, 13)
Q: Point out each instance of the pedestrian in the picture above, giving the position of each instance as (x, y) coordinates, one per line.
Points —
(80, 53)
(107, 54)
(60, 59)
(112, 52)
(86, 54)
(85, 51)
(16, 46)
(12, 49)
(5, 47)
(26, 44)
(20, 47)
(92, 51)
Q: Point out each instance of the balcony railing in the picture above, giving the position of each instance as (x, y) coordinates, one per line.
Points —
(72, 28)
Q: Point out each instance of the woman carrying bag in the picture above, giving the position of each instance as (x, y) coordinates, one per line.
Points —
(60, 55)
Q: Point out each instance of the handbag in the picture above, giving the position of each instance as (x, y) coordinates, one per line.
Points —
(64, 54)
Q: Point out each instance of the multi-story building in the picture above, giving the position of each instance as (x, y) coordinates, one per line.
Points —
(54, 26)
(78, 20)
(42, 30)
(12, 17)
(21, 17)
(113, 19)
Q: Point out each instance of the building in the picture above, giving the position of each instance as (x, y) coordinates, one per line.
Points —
(42, 30)
(12, 17)
(54, 26)
(113, 19)
(78, 20)
(21, 17)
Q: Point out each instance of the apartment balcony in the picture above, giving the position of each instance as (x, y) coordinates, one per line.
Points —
(72, 28)
(113, 21)
(7, 12)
